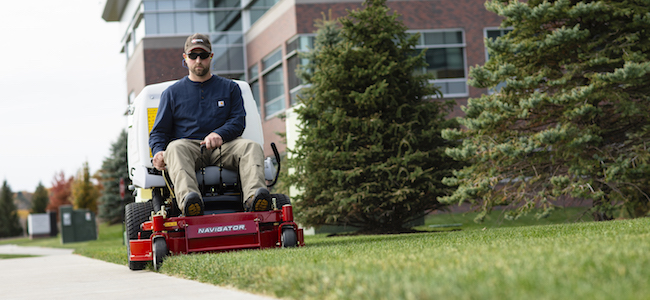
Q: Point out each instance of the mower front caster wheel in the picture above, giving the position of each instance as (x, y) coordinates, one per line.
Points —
(289, 238)
(160, 250)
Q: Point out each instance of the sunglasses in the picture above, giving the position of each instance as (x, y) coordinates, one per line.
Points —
(202, 55)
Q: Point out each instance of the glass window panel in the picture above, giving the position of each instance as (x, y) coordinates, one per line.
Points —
(446, 62)
(455, 58)
(183, 4)
(228, 58)
(436, 60)
(434, 38)
(492, 34)
(273, 86)
(293, 45)
(253, 71)
(165, 5)
(129, 47)
(150, 5)
(275, 106)
(258, 3)
(221, 20)
(442, 87)
(256, 14)
(272, 59)
(151, 21)
(236, 26)
(166, 23)
(278, 89)
(292, 65)
(453, 37)
(229, 20)
(139, 31)
(236, 56)
(255, 89)
(220, 59)
(294, 96)
(442, 38)
(306, 43)
(236, 38)
(456, 88)
(219, 39)
(275, 76)
(225, 3)
(201, 3)
(495, 33)
(200, 20)
(184, 23)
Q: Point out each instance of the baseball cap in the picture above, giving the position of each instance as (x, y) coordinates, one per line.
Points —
(198, 41)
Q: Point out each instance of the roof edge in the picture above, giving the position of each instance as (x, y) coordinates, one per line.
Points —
(113, 10)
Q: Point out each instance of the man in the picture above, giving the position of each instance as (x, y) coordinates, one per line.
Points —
(205, 109)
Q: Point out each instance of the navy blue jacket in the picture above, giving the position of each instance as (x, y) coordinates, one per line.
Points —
(192, 110)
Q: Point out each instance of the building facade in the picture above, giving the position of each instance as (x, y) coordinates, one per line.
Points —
(258, 41)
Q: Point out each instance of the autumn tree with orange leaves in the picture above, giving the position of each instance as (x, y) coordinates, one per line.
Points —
(60, 192)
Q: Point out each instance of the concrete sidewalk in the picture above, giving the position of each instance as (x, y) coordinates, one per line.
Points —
(59, 274)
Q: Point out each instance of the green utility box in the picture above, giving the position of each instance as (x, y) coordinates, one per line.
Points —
(77, 225)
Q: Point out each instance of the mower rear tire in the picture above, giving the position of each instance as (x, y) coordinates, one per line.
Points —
(289, 237)
(281, 200)
(135, 214)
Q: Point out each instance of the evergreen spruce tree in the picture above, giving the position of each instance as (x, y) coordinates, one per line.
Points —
(574, 116)
(9, 223)
(370, 153)
(84, 192)
(40, 199)
(111, 206)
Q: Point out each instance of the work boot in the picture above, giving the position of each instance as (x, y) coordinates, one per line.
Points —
(193, 205)
(261, 201)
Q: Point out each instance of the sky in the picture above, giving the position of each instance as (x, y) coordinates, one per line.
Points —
(62, 89)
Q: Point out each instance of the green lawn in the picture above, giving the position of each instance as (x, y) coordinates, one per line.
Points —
(496, 219)
(107, 247)
(8, 256)
(494, 260)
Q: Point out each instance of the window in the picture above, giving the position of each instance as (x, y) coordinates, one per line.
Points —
(446, 60)
(221, 19)
(129, 47)
(493, 33)
(255, 89)
(253, 79)
(273, 84)
(295, 45)
(273, 92)
(165, 19)
(258, 8)
(228, 49)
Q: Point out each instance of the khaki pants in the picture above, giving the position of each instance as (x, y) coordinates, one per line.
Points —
(183, 158)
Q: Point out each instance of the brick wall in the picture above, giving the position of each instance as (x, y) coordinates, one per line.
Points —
(163, 65)
(469, 15)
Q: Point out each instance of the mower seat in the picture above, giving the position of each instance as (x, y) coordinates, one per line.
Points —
(212, 177)
(228, 202)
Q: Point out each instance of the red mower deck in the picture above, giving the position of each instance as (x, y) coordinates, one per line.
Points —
(220, 232)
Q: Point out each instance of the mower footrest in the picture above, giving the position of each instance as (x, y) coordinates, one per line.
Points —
(140, 250)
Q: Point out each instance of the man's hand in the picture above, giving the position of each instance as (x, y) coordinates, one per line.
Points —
(212, 141)
(159, 161)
